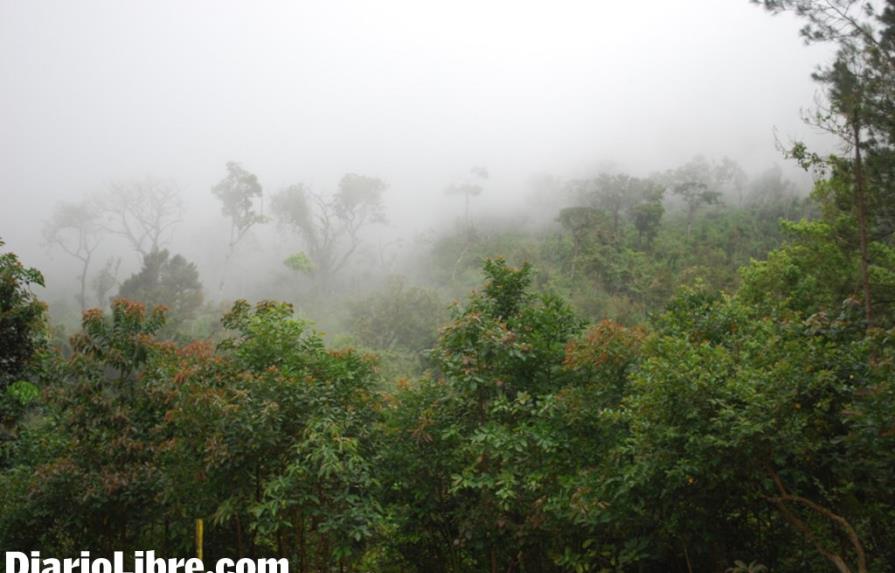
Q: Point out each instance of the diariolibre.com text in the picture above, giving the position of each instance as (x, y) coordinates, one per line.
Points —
(142, 562)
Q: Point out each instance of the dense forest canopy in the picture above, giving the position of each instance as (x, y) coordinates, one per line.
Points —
(684, 369)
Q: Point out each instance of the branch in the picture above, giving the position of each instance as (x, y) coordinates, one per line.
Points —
(837, 560)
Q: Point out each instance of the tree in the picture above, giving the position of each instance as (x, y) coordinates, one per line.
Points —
(329, 226)
(612, 193)
(21, 317)
(847, 100)
(166, 281)
(76, 229)
(95, 449)
(647, 210)
(142, 212)
(731, 179)
(619, 194)
(470, 188)
(237, 193)
(859, 85)
(810, 273)
(584, 224)
(646, 218)
(734, 413)
(695, 194)
(105, 280)
(700, 183)
(23, 338)
(276, 441)
(270, 437)
(478, 450)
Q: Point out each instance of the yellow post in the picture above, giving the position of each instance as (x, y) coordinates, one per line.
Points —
(200, 538)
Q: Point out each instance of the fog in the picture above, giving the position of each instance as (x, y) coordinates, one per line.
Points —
(414, 93)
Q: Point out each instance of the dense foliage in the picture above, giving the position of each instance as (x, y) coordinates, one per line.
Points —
(727, 431)
(691, 371)
(22, 338)
(166, 281)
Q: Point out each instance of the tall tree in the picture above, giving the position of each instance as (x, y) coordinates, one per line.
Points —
(858, 87)
(76, 229)
(695, 195)
(646, 217)
(329, 226)
(105, 280)
(469, 188)
(142, 212)
(612, 193)
(583, 224)
(700, 183)
(238, 193)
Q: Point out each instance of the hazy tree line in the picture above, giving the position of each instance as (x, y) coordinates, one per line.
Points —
(616, 239)
(690, 370)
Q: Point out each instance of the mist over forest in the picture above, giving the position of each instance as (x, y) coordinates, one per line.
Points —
(467, 286)
(304, 93)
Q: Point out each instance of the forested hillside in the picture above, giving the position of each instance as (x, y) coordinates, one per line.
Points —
(690, 369)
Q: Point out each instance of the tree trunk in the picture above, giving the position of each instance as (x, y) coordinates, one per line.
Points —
(240, 542)
(861, 207)
(690, 213)
(84, 268)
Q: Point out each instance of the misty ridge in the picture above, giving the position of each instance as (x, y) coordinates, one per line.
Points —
(312, 248)
(449, 287)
